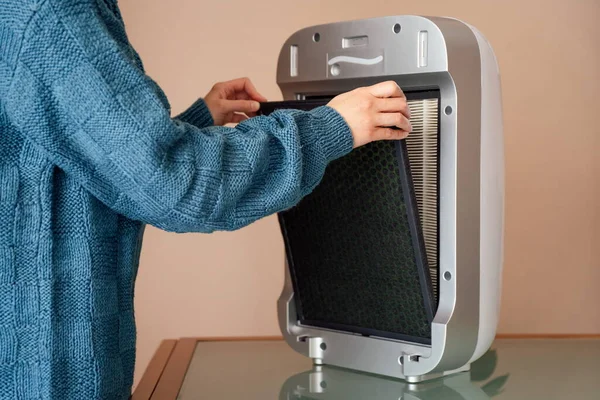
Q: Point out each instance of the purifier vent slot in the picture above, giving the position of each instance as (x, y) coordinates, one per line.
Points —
(422, 145)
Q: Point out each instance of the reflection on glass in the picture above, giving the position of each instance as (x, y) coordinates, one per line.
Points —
(329, 383)
(483, 369)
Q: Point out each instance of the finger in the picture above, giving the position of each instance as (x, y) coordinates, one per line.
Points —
(386, 89)
(241, 106)
(393, 119)
(253, 93)
(390, 134)
(394, 104)
(238, 118)
(242, 96)
(245, 85)
(245, 96)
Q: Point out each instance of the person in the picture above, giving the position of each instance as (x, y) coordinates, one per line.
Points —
(90, 154)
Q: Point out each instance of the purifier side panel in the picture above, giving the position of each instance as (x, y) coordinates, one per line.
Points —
(492, 198)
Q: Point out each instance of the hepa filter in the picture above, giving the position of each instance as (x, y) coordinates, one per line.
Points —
(423, 154)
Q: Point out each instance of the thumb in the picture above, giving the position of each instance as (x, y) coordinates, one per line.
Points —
(386, 89)
(240, 106)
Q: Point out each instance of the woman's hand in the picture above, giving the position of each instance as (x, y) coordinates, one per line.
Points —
(372, 112)
(233, 101)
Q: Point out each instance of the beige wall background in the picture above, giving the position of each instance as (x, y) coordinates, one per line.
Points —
(226, 284)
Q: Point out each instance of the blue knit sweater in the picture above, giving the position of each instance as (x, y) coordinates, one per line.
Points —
(89, 153)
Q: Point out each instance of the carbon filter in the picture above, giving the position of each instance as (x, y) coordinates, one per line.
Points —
(355, 246)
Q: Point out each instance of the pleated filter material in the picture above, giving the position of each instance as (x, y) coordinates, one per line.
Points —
(362, 248)
(423, 154)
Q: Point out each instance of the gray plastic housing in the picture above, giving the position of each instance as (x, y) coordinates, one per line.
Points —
(453, 57)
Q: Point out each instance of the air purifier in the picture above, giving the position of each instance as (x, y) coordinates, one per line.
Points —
(394, 262)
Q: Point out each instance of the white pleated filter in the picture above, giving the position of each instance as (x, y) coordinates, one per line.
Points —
(422, 145)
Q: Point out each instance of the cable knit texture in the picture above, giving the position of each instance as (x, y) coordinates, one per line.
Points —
(89, 153)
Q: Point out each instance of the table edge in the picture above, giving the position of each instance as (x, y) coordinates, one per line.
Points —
(154, 370)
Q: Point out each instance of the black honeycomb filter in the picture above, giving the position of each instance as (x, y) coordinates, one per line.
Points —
(356, 249)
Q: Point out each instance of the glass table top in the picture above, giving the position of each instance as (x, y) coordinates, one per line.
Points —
(512, 369)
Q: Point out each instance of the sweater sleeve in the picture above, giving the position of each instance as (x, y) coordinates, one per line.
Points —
(197, 115)
(78, 94)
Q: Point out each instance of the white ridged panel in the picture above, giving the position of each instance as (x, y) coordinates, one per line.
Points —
(422, 146)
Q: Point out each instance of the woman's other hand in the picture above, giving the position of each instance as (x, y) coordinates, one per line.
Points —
(233, 101)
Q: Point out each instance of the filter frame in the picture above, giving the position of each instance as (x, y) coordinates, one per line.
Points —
(428, 292)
